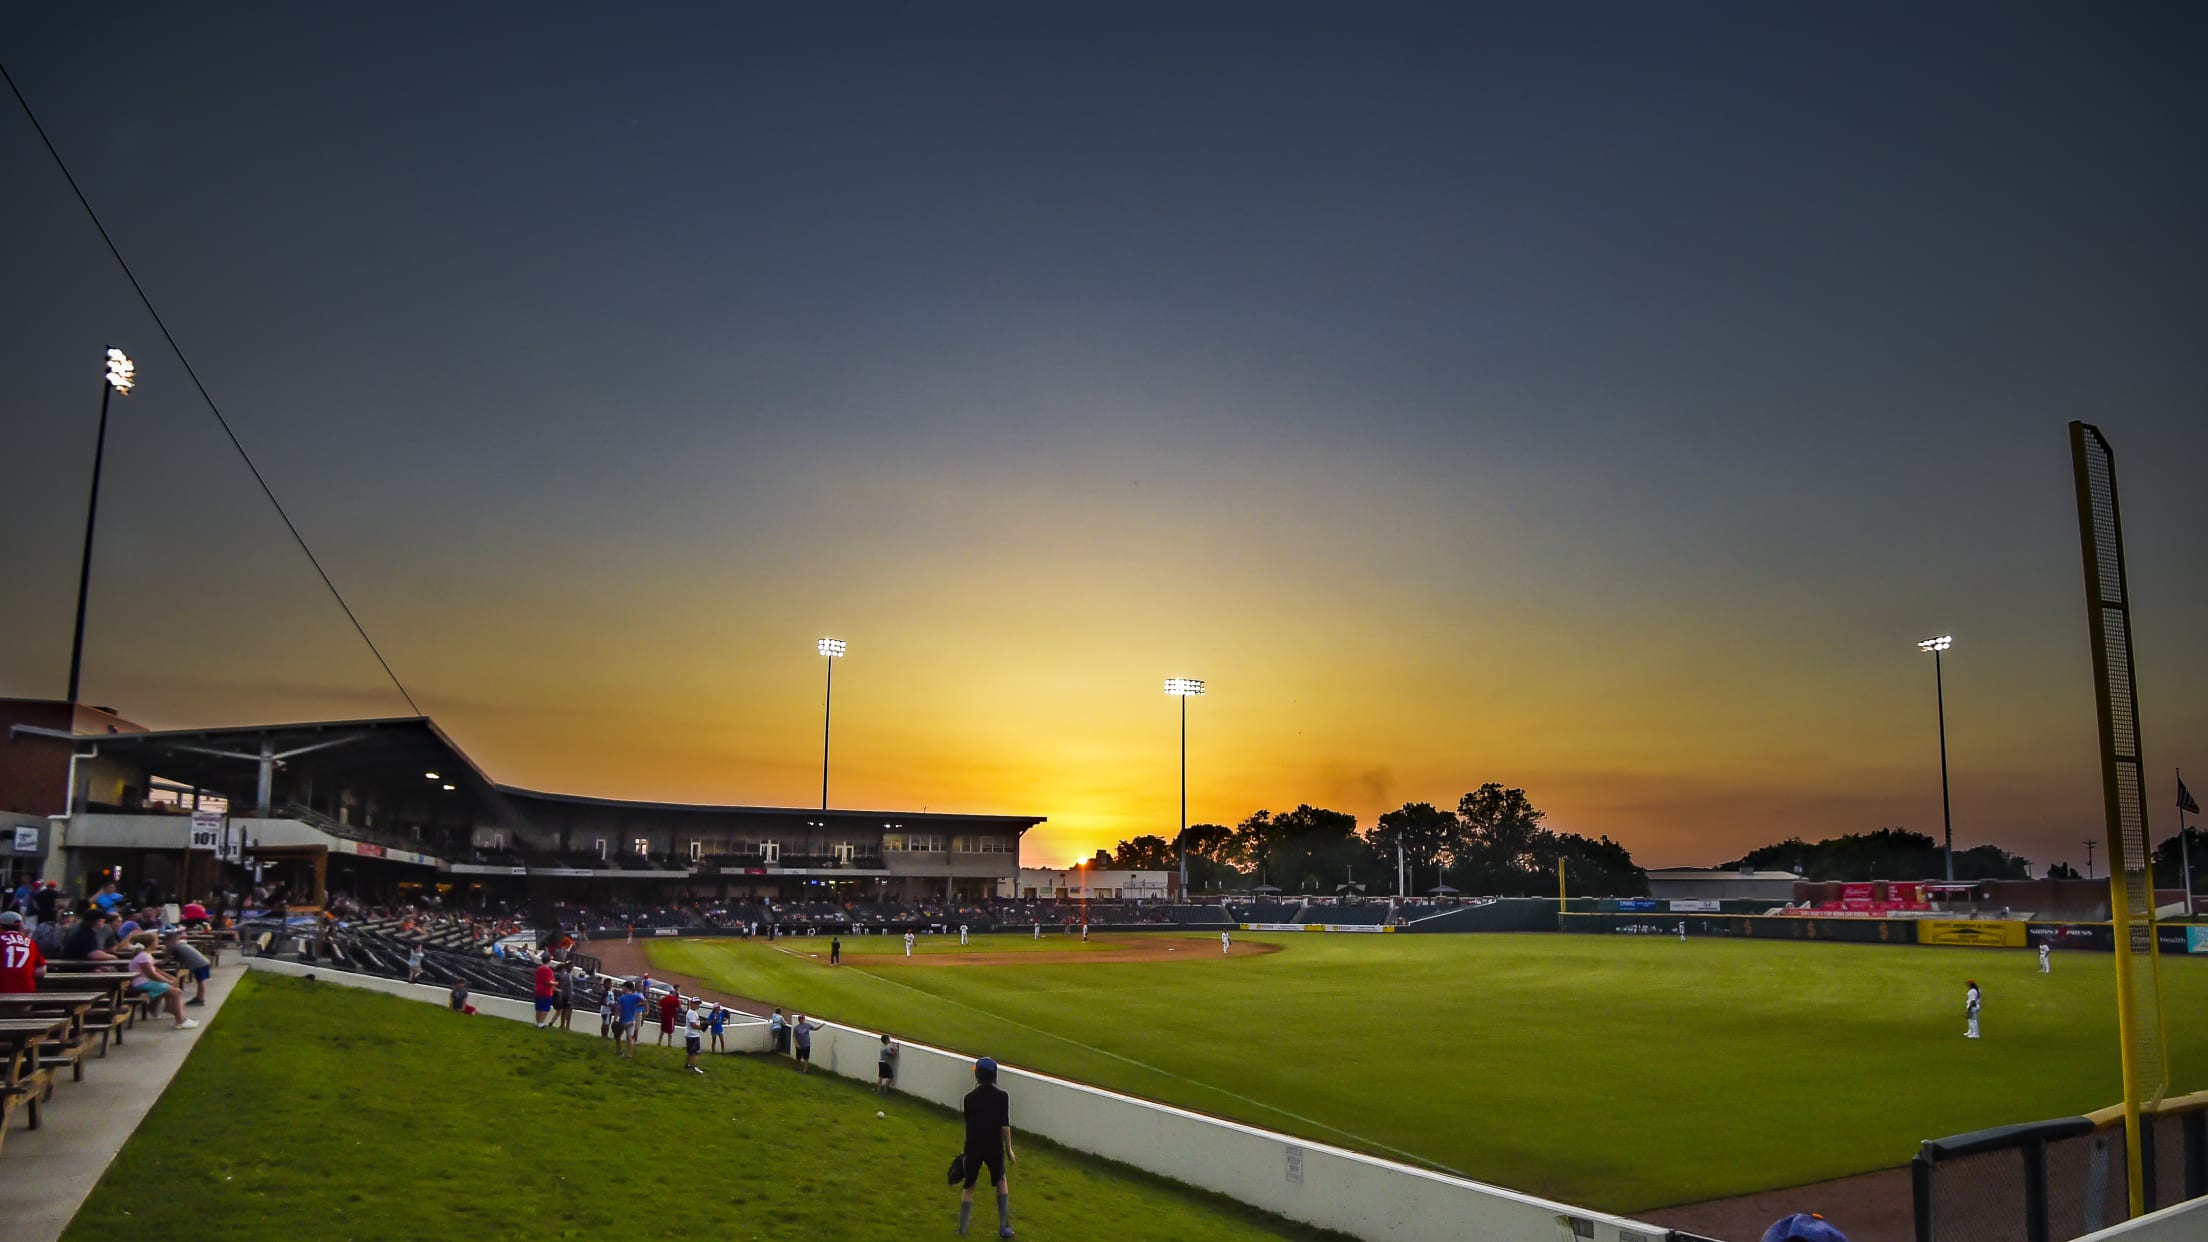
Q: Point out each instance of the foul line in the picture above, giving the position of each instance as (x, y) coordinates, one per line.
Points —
(1413, 1157)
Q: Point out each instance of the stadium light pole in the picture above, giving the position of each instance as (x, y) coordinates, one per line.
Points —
(121, 375)
(1939, 691)
(831, 648)
(1184, 689)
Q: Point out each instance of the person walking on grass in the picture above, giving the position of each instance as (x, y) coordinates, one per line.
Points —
(693, 1036)
(908, 944)
(988, 1145)
(628, 1017)
(2044, 967)
(609, 1001)
(835, 950)
(802, 1032)
(1226, 942)
(885, 1070)
(962, 935)
(719, 1023)
(1038, 931)
(1971, 1000)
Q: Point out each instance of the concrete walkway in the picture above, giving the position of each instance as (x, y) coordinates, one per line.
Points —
(46, 1173)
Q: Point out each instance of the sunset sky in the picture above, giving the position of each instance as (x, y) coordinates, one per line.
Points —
(1600, 399)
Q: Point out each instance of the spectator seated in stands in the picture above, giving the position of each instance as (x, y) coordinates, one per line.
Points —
(155, 984)
(81, 941)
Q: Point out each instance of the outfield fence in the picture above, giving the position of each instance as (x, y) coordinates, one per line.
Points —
(2057, 1180)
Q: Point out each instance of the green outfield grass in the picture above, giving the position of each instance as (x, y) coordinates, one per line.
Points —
(323, 1112)
(1617, 1072)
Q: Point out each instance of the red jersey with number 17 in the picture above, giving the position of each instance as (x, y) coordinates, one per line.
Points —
(20, 962)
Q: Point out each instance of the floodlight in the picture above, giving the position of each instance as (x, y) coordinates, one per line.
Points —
(1183, 687)
(831, 647)
(448, 788)
(121, 370)
(430, 776)
(1942, 643)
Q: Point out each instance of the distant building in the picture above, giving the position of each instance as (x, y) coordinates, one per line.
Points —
(1722, 884)
(391, 808)
(1091, 884)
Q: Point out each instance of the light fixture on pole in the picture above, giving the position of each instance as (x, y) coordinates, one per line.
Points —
(1184, 689)
(122, 375)
(1939, 690)
(831, 648)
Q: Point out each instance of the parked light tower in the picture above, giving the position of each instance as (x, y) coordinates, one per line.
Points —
(832, 648)
(1939, 690)
(121, 376)
(1184, 689)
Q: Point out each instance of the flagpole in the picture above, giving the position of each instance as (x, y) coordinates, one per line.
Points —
(2184, 854)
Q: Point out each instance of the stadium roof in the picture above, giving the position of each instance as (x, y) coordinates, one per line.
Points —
(401, 750)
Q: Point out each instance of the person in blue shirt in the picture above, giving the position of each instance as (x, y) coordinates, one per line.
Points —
(720, 1023)
(631, 1012)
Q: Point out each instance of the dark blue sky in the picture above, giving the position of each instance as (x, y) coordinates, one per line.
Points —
(1599, 398)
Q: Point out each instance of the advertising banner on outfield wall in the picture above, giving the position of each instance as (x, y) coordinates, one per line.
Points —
(2071, 936)
(1972, 933)
(2181, 938)
(1680, 905)
(1318, 927)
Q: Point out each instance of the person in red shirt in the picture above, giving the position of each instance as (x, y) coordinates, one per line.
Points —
(20, 961)
(547, 985)
(670, 1006)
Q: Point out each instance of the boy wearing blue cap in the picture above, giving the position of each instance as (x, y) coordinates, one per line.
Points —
(988, 1142)
(1803, 1227)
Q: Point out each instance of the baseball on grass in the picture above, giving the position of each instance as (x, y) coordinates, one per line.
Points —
(881, 1114)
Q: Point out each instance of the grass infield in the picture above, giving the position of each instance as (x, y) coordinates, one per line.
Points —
(324, 1112)
(1621, 1073)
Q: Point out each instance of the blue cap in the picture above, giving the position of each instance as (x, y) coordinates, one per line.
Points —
(1803, 1227)
(986, 1070)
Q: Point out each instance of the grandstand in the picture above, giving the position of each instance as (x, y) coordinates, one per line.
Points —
(393, 809)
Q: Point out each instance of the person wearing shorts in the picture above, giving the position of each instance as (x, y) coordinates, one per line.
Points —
(190, 961)
(885, 1070)
(548, 986)
(670, 1008)
(693, 1036)
(609, 1001)
(718, 1025)
(628, 1015)
(802, 1032)
(152, 982)
(988, 1145)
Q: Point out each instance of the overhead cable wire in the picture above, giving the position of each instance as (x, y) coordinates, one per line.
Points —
(212, 407)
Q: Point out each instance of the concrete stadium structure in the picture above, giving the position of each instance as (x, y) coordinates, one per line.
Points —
(391, 808)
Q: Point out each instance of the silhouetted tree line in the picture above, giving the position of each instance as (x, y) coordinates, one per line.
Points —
(1887, 854)
(1492, 844)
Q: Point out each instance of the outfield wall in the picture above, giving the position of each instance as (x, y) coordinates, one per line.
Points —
(2186, 1222)
(1363, 1196)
